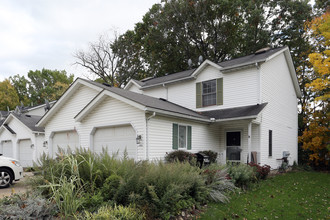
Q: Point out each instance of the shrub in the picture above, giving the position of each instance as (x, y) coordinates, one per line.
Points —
(212, 155)
(218, 183)
(241, 174)
(115, 213)
(179, 155)
(27, 206)
(261, 171)
(110, 186)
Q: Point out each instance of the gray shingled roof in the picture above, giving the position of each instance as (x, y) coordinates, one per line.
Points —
(241, 61)
(149, 101)
(238, 112)
(30, 121)
(249, 59)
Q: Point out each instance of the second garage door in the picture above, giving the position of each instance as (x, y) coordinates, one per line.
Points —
(7, 149)
(64, 140)
(25, 153)
(116, 139)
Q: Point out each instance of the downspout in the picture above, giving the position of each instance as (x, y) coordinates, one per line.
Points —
(147, 135)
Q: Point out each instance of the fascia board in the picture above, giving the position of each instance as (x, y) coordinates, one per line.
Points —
(292, 72)
(176, 115)
(203, 66)
(64, 98)
(129, 84)
(238, 118)
(168, 82)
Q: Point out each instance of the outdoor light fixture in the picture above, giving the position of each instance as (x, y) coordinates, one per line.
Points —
(45, 144)
(32, 146)
(138, 139)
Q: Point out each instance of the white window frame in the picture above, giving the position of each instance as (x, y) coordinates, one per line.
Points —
(186, 141)
(215, 92)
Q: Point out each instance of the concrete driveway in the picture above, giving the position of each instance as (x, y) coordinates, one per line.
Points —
(17, 187)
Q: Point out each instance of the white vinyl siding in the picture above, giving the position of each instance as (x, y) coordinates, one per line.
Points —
(240, 88)
(110, 113)
(280, 114)
(63, 119)
(203, 136)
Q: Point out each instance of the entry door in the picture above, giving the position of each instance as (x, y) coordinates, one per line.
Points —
(233, 143)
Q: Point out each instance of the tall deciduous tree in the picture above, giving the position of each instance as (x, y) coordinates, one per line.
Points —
(41, 85)
(8, 96)
(315, 137)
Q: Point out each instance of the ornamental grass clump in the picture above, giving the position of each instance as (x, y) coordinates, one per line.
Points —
(242, 175)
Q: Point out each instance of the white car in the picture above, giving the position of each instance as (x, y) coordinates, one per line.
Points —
(10, 170)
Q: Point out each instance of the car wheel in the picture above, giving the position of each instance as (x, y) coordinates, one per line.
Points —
(6, 178)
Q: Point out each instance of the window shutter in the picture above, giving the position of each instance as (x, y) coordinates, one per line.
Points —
(175, 137)
(198, 95)
(220, 91)
(270, 143)
(189, 138)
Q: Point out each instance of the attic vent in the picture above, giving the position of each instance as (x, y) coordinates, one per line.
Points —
(106, 84)
(145, 79)
(28, 116)
(263, 50)
(162, 99)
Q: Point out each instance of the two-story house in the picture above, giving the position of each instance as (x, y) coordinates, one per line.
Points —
(245, 109)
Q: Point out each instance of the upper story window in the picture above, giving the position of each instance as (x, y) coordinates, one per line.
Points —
(209, 93)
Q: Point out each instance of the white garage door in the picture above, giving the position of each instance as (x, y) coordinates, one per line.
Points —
(25, 153)
(7, 149)
(116, 139)
(64, 140)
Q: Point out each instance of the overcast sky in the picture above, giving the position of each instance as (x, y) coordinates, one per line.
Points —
(36, 34)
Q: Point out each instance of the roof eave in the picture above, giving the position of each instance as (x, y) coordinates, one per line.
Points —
(237, 118)
(176, 115)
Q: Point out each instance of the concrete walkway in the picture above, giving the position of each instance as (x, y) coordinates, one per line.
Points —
(17, 187)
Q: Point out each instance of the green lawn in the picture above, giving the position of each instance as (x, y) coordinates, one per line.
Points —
(295, 195)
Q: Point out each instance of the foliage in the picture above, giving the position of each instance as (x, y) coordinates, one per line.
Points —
(115, 213)
(179, 155)
(67, 191)
(160, 190)
(211, 154)
(241, 174)
(41, 85)
(26, 206)
(261, 171)
(173, 32)
(8, 96)
(295, 195)
(315, 138)
(218, 182)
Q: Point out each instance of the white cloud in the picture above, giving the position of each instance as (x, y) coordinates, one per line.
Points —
(40, 34)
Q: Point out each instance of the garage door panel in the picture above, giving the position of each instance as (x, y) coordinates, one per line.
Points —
(25, 153)
(7, 149)
(64, 140)
(116, 140)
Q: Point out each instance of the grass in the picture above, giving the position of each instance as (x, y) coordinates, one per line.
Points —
(295, 195)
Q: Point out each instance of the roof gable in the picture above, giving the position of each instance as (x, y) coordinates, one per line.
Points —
(62, 100)
(28, 121)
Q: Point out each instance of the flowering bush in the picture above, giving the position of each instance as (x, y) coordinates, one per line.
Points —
(261, 171)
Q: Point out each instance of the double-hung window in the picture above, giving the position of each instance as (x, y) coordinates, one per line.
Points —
(209, 93)
(181, 137)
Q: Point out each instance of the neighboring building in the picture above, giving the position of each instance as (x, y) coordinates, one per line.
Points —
(21, 139)
(238, 108)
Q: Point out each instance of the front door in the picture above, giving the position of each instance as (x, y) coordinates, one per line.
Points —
(233, 143)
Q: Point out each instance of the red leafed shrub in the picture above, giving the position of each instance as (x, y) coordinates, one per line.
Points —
(262, 171)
